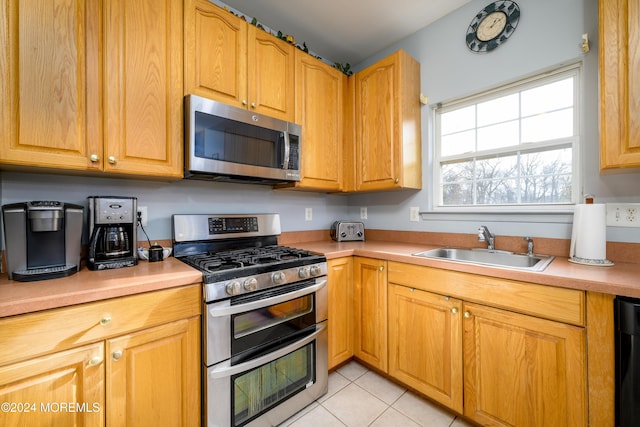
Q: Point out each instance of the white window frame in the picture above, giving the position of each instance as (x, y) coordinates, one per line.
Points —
(574, 70)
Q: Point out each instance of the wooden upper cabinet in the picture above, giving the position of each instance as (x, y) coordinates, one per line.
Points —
(231, 61)
(387, 125)
(319, 109)
(92, 85)
(50, 85)
(619, 54)
(143, 87)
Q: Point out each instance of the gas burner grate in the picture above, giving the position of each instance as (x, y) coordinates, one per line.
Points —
(212, 262)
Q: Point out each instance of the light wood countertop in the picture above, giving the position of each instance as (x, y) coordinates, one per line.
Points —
(88, 286)
(619, 279)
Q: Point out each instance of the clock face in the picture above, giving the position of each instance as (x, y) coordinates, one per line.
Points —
(492, 26)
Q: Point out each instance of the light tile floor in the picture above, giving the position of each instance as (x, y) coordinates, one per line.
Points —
(358, 397)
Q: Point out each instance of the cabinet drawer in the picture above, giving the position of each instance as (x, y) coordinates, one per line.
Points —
(30, 335)
(561, 304)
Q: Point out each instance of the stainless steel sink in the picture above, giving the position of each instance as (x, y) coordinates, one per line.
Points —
(490, 257)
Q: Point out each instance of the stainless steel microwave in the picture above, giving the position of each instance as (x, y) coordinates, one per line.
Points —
(226, 143)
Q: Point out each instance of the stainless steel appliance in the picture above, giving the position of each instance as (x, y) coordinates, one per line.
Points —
(113, 231)
(42, 239)
(264, 318)
(226, 143)
(347, 231)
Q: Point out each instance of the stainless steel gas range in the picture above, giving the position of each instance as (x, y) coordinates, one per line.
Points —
(264, 318)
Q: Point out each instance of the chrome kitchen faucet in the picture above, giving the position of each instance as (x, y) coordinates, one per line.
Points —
(484, 235)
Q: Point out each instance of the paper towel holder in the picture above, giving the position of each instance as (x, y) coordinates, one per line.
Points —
(579, 228)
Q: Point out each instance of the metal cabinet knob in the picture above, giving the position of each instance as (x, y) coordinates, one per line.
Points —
(244, 102)
(253, 105)
(454, 310)
(116, 355)
(397, 180)
(96, 360)
(111, 160)
(105, 320)
(94, 158)
(381, 268)
(467, 314)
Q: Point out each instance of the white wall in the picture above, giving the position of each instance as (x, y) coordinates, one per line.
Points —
(548, 35)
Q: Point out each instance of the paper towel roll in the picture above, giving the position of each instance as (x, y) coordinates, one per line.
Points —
(589, 235)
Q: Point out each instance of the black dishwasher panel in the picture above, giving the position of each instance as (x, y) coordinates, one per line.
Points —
(627, 321)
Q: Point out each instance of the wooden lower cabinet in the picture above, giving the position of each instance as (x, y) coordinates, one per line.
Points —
(425, 343)
(495, 364)
(129, 361)
(149, 379)
(523, 371)
(340, 278)
(37, 392)
(370, 311)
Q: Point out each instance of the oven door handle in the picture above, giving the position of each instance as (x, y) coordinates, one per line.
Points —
(254, 305)
(225, 369)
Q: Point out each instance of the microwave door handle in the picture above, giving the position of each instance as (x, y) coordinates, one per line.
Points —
(287, 151)
(224, 369)
(254, 305)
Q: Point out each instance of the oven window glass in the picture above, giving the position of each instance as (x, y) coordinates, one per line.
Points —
(218, 138)
(268, 317)
(255, 331)
(255, 392)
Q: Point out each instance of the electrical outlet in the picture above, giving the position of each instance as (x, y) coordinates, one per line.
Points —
(308, 214)
(363, 213)
(142, 211)
(414, 214)
(623, 214)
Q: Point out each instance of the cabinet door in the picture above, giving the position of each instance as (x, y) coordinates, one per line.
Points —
(340, 277)
(387, 117)
(59, 389)
(522, 371)
(50, 88)
(215, 53)
(153, 376)
(319, 109)
(271, 70)
(425, 343)
(370, 311)
(619, 48)
(143, 87)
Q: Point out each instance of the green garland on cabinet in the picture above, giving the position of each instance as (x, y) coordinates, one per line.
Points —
(344, 68)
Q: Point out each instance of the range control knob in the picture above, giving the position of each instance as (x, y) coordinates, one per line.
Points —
(315, 270)
(304, 272)
(234, 288)
(250, 284)
(278, 278)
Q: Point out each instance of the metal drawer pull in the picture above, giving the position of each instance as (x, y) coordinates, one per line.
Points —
(105, 320)
(454, 310)
(116, 355)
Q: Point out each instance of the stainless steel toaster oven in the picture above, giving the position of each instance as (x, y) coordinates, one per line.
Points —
(347, 231)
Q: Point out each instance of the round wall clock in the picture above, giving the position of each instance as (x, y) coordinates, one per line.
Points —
(493, 25)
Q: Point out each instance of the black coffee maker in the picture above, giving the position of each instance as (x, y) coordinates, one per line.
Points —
(112, 227)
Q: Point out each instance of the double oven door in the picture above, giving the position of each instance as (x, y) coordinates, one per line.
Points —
(265, 354)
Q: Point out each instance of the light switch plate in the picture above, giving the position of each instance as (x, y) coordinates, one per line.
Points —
(363, 213)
